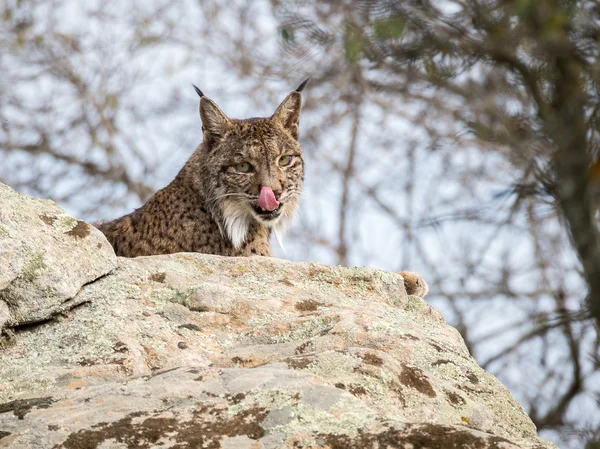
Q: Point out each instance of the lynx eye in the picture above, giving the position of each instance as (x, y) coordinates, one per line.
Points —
(244, 167)
(284, 161)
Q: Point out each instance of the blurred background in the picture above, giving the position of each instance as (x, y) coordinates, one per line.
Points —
(456, 138)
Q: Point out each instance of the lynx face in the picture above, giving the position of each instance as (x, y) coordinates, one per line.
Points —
(252, 170)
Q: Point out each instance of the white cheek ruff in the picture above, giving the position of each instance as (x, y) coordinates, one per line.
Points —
(237, 223)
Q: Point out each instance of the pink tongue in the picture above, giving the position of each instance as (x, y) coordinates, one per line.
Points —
(267, 200)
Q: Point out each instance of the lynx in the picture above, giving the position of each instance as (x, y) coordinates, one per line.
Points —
(241, 184)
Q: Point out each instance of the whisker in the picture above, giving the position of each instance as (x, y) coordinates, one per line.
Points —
(287, 194)
(225, 195)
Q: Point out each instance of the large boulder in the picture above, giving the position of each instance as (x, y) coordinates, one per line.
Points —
(199, 351)
(46, 257)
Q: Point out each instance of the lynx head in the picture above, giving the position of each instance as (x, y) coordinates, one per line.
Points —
(252, 170)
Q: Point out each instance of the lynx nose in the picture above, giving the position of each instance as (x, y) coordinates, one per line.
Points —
(277, 192)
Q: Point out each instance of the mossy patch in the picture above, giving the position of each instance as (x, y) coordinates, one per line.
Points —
(357, 390)
(408, 337)
(189, 326)
(80, 230)
(472, 378)
(48, 219)
(299, 362)
(442, 362)
(286, 281)
(454, 398)
(147, 432)
(308, 305)
(305, 347)
(415, 378)
(435, 346)
(158, 277)
(371, 359)
(431, 436)
(245, 362)
(21, 407)
(7, 339)
(120, 347)
(236, 398)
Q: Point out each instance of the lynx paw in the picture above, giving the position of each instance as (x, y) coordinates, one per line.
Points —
(414, 283)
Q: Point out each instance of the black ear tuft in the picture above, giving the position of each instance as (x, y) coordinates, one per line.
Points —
(199, 92)
(303, 85)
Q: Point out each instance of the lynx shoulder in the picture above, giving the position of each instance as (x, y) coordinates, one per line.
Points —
(240, 185)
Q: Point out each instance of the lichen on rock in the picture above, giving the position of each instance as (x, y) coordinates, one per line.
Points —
(194, 350)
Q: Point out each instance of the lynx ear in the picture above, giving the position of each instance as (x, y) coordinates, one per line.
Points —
(215, 123)
(288, 112)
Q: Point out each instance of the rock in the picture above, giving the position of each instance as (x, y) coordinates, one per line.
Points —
(200, 351)
(45, 258)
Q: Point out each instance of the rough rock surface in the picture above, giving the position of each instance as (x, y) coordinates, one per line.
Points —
(199, 351)
(45, 258)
